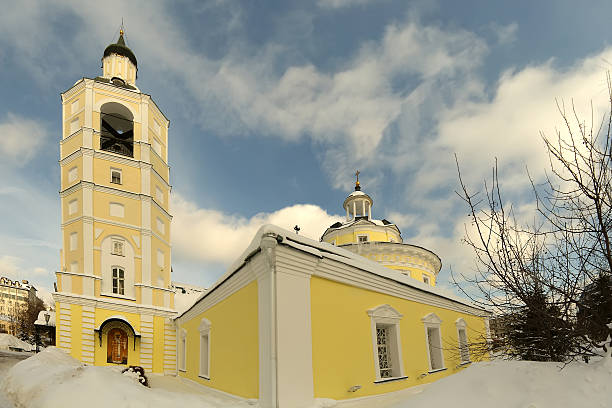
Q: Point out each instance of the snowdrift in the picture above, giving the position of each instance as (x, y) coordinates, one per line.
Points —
(10, 342)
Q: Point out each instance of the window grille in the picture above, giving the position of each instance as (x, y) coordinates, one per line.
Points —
(384, 358)
(118, 281)
(463, 346)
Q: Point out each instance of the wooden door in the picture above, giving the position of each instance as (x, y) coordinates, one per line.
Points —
(116, 349)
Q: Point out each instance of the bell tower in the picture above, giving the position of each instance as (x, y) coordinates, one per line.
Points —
(114, 282)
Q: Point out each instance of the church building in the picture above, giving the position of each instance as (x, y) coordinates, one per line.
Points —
(354, 315)
(113, 298)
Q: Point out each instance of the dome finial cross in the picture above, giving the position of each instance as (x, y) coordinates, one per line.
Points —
(357, 185)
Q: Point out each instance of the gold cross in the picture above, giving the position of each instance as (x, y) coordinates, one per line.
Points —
(357, 174)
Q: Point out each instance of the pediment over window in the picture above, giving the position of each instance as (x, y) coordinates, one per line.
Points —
(384, 311)
(431, 318)
(460, 323)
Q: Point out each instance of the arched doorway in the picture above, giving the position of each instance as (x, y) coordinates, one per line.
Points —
(117, 346)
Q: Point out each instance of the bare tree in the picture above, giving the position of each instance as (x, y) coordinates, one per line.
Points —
(538, 277)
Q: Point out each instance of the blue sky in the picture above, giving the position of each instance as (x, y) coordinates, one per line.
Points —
(274, 105)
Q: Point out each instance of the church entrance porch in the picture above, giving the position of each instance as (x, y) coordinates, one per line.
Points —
(117, 342)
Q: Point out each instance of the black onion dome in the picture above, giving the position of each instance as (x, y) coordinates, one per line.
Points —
(120, 48)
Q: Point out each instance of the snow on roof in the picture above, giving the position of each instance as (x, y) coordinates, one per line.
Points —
(325, 250)
(41, 321)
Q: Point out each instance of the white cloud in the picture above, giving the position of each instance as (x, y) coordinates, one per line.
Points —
(10, 267)
(20, 138)
(213, 236)
(506, 34)
(334, 4)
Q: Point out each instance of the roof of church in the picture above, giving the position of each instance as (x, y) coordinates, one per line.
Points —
(325, 250)
(120, 48)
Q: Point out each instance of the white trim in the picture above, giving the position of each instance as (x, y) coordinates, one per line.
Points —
(182, 350)
(461, 325)
(432, 321)
(387, 316)
(204, 330)
(96, 302)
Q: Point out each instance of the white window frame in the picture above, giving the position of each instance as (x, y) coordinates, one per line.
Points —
(161, 258)
(73, 206)
(433, 321)
(359, 236)
(204, 330)
(74, 106)
(385, 315)
(161, 225)
(426, 279)
(121, 244)
(116, 170)
(462, 326)
(73, 174)
(159, 194)
(119, 279)
(182, 357)
(74, 241)
(116, 210)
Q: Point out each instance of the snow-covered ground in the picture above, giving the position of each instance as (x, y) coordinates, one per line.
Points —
(52, 379)
(8, 342)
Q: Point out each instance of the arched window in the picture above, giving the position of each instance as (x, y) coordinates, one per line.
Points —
(116, 129)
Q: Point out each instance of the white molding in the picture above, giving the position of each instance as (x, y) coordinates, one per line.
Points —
(111, 304)
(433, 321)
(204, 329)
(388, 316)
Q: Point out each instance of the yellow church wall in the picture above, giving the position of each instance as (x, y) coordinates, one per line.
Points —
(100, 353)
(234, 344)
(158, 344)
(76, 195)
(78, 164)
(163, 201)
(71, 145)
(76, 314)
(124, 232)
(68, 103)
(132, 102)
(160, 271)
(415, 273)
(132, 208)
(130, 176)
(79, 117)
(342, 340)
(159, 166)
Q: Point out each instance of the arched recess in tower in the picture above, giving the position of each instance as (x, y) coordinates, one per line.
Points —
(116, 129)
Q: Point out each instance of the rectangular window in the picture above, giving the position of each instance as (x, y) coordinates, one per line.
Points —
(204, 355)
(434, 344)
(156, 127)
(118, 281)
(426, 279)
(463, 346)
(73, 241)
(384, 356)
(362, 238)
(74, 107)
(74, 125)
(160, 258)
(157, 147)
(117, 247)
(74, 267)
(159, 194)
(161, 227)
(73, 207)
(116, 176)
(73, 174)
(117, 210)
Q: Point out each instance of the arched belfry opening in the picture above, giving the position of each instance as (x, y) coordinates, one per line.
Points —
(117, 129)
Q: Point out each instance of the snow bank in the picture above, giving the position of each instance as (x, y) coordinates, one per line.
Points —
(53, 379)
(521, 384)
(8, 342)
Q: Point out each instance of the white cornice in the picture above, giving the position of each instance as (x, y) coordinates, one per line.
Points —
(74, 89)
(112, 304)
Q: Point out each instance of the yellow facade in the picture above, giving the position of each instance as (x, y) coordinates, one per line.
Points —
(116, 226)
(341, 336)
(234, 344)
